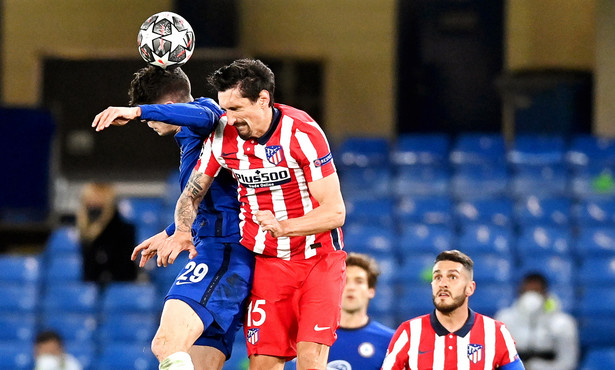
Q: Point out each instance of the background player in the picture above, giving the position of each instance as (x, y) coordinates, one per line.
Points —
(206, 303)
(452, 336)
(291, 212)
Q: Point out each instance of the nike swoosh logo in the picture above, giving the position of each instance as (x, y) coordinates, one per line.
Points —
(227, 154)
(318, 328)
(424, 352)
(183, 282)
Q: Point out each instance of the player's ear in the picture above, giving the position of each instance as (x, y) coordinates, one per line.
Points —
(371, 293)
(264, 98)
(470, 288)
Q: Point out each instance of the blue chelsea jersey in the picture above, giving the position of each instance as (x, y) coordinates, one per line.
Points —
(219, 218)
(361, 348)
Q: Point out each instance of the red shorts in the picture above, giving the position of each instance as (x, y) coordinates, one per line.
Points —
(294, 301)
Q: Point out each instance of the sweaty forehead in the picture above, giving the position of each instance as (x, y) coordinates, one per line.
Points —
(231, 98)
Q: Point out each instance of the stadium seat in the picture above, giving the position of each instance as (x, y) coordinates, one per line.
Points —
(18, 327)
(76, 297)
(421, 149)
(127, 328)
(492, 269)
(586, 150)
(83, 350)
(596, 241)
(360, 182)
(597, 302)
(486, 239)
(422, 238)
(384, 301)
(370, 239)
(565, 296)
(362, 152)
(71, 326)
(495, 211)
(537, 150)
(20, 269)
(536, 210)
(479, 181)
(599, 358)
(64, 269)
(16, 355)
(414, 300)
(597, 332)
(558, 269)
(424, 210)
(415, 269)
(370, 211)
(239, 356)
(130, 298)
(421, 180)
(545, 181)
(593, 182)
(595, 212)
(544, 241)
(597, 270)
(63, 240)
(479, 149)
(489, 298)
(19, 297)
(126, 356)
(146, 214)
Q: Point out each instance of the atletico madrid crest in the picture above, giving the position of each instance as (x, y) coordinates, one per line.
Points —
(475, 352)
(274, 153)
(253, 335)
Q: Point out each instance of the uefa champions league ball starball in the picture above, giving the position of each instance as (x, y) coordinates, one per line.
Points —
(166, 39)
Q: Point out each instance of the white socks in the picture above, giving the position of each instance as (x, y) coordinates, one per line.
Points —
(177, 361)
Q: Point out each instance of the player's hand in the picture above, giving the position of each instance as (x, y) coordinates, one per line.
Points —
(116, 116)
(267, 221)
(149, 247)
(173, 246)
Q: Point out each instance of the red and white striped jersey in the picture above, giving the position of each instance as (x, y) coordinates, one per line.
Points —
(272, 173)
(423, 343)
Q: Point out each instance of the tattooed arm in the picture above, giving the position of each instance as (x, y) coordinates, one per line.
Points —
(185, 213)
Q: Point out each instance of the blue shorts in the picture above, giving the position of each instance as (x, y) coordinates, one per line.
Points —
(216, 284)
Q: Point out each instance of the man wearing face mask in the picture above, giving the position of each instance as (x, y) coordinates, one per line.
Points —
(547, 338)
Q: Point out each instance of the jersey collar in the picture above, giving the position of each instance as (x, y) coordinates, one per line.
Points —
(462, 332)
(274, 125)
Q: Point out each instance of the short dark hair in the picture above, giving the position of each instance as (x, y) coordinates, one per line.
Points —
(367, 263)
(457, 256)
(536, 277)
(48, 335)
(151, 83)
(251, 76)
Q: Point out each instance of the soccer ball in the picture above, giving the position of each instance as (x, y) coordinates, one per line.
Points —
(166, 39)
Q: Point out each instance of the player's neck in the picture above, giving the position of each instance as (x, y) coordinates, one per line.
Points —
(454, 320)
(352, 320)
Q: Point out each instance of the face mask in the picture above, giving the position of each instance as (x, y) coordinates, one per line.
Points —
(531, 302)
(94, 213)
(48, 362)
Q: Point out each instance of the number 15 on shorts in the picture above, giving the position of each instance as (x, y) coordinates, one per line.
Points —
(256, 315)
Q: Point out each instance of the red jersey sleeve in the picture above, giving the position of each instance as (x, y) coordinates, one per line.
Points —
(311, 150)
(506, 351)
(399, 347)
(207, 163)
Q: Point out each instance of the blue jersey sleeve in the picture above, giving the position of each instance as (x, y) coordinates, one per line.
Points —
(515, 365)
(200, 115)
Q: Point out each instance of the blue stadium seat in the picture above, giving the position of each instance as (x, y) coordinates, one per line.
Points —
(479, 181)
(424, 210)
(370, 211)
(362, 152)
(595, 212)
(130, 297)
(421, 180)
(486, 239)
(536, 210)
(19, 297)
(421, 149)
(414, 300)
(598, 358)
(20, 269)
(369, 239)
(127, 328)
(126, 356)
(489, 298)
(478, 148)
(597, 302)
(360, 182)
(494, 211)
(239, 356)
(83, 350)
(597, 332)
(422, 238)
(492, 269)
(415, 269)
(146, 214)
(544, 241)
(596, 241)
(384, 301)
(537, 150)
(586, 150)
(71, 326)
(544, 181)
(596, 270)
(76, 297)
(565, 296)
(593, 182)
(18, 327)
(559, 270)
(16, 355)
(64, 269)
(63, 240)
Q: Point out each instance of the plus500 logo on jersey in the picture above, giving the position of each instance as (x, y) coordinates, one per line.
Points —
(262, 177)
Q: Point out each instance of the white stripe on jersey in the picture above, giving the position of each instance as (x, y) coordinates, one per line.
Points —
(310, 152)
(510, 343)
(439, 353)
(463, 361)
(389, 360)
(489, 348)
(416, 326)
